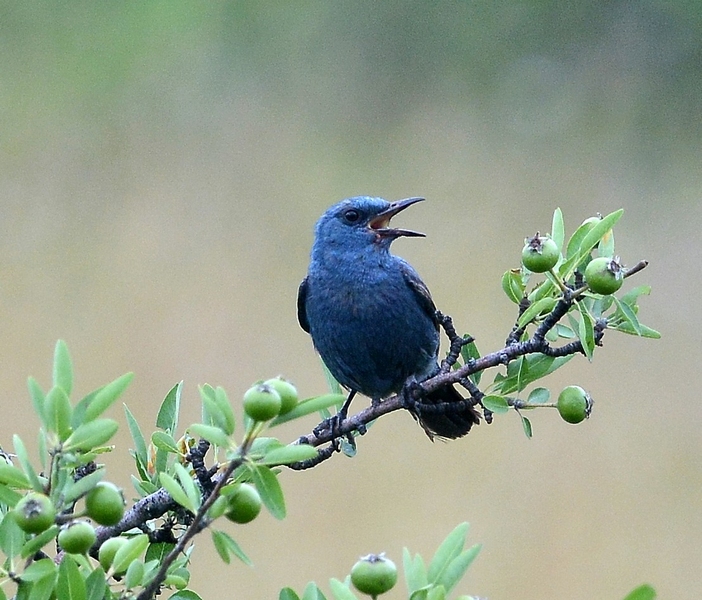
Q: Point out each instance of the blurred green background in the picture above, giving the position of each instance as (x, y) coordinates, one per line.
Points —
(163, 163)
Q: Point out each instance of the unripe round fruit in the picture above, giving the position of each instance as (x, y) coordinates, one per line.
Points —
(244, 504)
(374, 574)
(35, 513)
(604, 275)
(262, 402)
(105, 504)
(574, 404)
(77, 538)
(286, 391)
(540, 254)
(107, 551)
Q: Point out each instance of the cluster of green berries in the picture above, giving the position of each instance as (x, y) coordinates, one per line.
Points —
(265, 401)
(104, 504)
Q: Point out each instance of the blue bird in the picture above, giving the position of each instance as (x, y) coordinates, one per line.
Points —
(371, 317)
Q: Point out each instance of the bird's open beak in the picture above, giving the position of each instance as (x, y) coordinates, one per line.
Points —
(381, 222)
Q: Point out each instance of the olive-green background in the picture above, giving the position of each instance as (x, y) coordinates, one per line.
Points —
(161, 168)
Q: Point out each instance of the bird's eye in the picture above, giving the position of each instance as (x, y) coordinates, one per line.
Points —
(352, 216)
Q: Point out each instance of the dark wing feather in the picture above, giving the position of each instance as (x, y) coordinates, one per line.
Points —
(421, 291)
(301, 305)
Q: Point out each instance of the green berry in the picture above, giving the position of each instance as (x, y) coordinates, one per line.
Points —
(286, 391)
(244, 504)
(604, 275)
(77, 538)
(106, 554)
(35, 513)
(540, 253)
(262, 402)
(574, 404)
(105, 504)
(374, 574)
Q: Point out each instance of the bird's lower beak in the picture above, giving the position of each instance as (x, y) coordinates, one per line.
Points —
(381, 223)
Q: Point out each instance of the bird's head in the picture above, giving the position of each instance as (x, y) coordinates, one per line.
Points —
(363, 221)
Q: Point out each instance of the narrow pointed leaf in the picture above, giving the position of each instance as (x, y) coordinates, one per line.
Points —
(341, 591)
(586, 331)
(629, 315)
(645, 331)
(167, 418)
(415, 571)
(458, 567)
(63, 369)
(13, 477)
(106, 396)
(526, 424)
(23, 457)
(76, 489)
(137, 436)
(70, 583)
(96, 585)
(225, 406)
(269, 488)
(176, 492)
(309, 406)
(449, 549)
(226, 545)
(58, 410)
(558, 228)
(512, 285)
(543, 306)
(212, 434)
(130, 551)
(288, 594)
(38, 399)
(36, 543)
(289, 454)
(188, 485)
(643, 592)
(164, 441)
(91, 435)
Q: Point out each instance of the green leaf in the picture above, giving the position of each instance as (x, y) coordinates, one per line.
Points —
(27, 467)
(558, 228)
(106, 396)
(288, 594)
(91, 435)
(309, 406)
(289, 454)
(13, 477)
(63, 369)
(415, 571)
(38, 399)
(225, 545)
(628, 315)
(643, 592)
(598, 231)
(39, 569)
(539, 395)
(70, 583)
(437, 593)
(188, 485)
(176, 492)
(158, 551)
(11, 537)
(526, 424)
(496, 404)
(137, 437)
(528, 369)
(36, 543)
(449, 549)
(212, 434)
(8, 496)
(334, 387)
(76, 489)
(129, 552)
(632, 295)
(58, 410)
(646, 332)
(606, 245)
(95, 584)
(512, 285)
(543, 306)
(312, 592)
(469, 353)
(167, 418)
(269, 488)
(457, 567)
(134, 575)
(586, 331)
(577, 238)
(164, 441)
(341, 591)
(226, 407)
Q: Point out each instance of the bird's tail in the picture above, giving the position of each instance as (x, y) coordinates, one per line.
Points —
(442, 419)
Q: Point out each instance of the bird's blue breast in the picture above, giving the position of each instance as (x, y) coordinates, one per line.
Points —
(366, 322)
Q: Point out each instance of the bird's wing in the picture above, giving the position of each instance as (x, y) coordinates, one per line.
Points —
(301, 305)
(421, 291)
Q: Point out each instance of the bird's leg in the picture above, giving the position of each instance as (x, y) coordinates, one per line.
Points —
(411, 395)
(334, 422)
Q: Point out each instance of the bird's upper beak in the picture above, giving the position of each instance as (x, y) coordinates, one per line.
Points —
(381, 222)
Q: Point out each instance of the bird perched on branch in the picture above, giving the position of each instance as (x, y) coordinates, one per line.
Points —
(370, 315)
